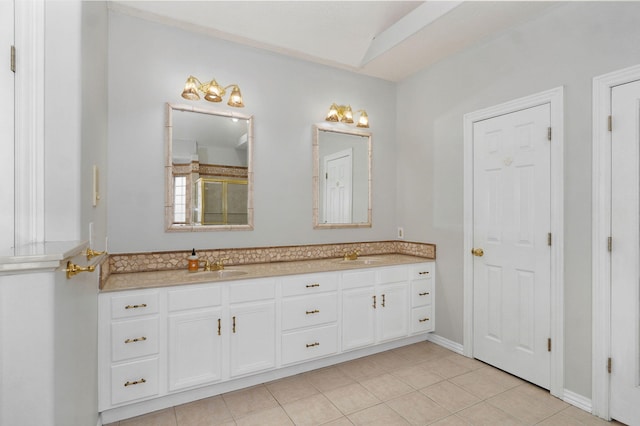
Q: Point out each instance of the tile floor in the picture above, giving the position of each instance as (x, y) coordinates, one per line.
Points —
(418, 384)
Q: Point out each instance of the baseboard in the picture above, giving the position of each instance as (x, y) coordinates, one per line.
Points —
(577, 400)
(446, 343)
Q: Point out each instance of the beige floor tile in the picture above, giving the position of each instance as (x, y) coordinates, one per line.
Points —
(386, 387)
(573, 416)
(352, 398)
(451, 421)
(313, 410)
(361, 368)
(342, 421)
(417, 377)
(445, 367)
(205, 412)
(450, 396)
(328, 378)
(390, 360)
(470, 363)
(378, 415)
(528, 403)
(292, 388)
(486, 414)
(484, 383)
(275, 416)
(423, 351)
(417, 409)
(165, 417)
(243, 402)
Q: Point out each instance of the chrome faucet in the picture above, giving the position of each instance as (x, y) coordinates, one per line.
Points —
(353, 255)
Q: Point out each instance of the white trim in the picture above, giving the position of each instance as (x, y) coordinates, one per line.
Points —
(446, 343)
(582, 402)
(29, 115)
(555, 97)
(601, 216)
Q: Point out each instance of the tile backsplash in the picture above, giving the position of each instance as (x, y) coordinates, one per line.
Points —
(158, 261)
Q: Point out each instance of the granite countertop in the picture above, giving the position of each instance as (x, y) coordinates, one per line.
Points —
(144, 280)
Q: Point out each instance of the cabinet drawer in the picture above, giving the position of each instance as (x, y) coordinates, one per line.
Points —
(134, 338)
(252, 290)
(309, 284)
(134, 380)
(393, 275)
(308, 311)
(134, 304)
(421, 319)
(193, 298)
(358, 279)
(308, 344)
(421, 293)
(421, 271)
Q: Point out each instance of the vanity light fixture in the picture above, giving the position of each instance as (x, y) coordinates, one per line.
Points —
(212, 92)
(344, 114)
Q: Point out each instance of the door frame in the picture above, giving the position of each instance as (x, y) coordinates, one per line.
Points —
(601, 217)
(554, 97)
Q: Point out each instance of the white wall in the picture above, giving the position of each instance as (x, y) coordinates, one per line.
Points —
(148, 65)
(567, 46)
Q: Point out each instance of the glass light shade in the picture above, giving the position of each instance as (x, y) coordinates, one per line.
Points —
(363, 121)
(214, 92)
(235, 99)
(347, 115)
(190, 91)
(332, 115)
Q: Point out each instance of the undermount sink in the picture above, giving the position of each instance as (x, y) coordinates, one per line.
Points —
(223, 273)
(360, 261)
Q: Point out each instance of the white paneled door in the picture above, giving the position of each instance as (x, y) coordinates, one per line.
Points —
(338, 180)
(511, 225)
(625, 253)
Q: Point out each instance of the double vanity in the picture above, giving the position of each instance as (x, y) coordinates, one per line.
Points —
(170, 337)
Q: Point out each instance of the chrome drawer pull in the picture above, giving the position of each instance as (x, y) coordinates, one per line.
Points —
(142, 305)
(423, 273)
(313, 285)
(137, 382)
(315, 311)
(423, 319)
(310, 345)
(137, 339)
(423, 294)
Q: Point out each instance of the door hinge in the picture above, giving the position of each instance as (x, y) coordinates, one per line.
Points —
(13, 59)
(326, 175)
(549, 239)
(549, 344)
(609, 243)
(610, 123)
(609, 365)
(549, 133)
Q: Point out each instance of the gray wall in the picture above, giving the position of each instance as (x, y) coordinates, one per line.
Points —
(148, 65)
(567, 46)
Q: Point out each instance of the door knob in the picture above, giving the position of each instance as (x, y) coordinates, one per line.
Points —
(477, 252)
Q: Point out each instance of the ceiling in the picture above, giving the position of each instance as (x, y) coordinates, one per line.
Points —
(387, 39)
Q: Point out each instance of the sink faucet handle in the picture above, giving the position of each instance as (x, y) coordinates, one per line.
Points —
(220, 262)
(207, 264)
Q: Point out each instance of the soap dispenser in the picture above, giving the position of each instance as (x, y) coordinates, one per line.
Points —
(194, 264)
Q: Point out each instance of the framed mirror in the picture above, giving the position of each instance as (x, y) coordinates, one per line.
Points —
(209, 174)
(341, 177)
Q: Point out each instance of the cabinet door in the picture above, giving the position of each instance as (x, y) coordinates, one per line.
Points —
(195, 348)
(253, 337)
(393, 311)
(358, 317)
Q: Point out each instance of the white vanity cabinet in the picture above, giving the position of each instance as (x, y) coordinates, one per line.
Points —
(195, 340)
(169, 345)
(375, 306)
(252, 315)
(309, 314)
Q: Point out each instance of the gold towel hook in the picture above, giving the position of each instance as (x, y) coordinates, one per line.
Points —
(73, 269)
